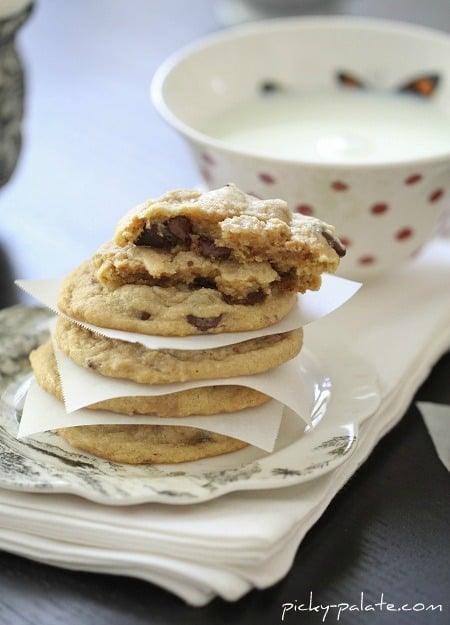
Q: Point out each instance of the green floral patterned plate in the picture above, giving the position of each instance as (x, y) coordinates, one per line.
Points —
(343, 387)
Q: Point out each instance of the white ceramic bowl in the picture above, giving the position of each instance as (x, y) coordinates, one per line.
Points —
(385, 205)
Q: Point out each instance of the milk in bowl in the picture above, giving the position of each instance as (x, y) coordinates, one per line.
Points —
(335, 127)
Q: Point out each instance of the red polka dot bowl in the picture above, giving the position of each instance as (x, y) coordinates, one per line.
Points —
(384, 191)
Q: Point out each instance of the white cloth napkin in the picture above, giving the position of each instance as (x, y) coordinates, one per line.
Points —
(225, 547)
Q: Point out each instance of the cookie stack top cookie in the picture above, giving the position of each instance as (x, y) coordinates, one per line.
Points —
(192, 262)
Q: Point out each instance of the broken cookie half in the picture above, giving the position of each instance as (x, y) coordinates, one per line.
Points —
(222, 239)
(192, 262)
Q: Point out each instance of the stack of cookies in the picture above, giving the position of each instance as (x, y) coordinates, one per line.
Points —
(188, 263)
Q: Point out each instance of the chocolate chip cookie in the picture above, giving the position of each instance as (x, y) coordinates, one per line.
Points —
(197, 237)
(133, 361)
(166, 311)
(149, 444)
(206, 400)
(193, 263)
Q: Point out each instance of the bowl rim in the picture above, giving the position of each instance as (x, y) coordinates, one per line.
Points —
(276, 24)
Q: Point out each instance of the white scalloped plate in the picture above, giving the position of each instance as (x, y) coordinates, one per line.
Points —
(345, 389)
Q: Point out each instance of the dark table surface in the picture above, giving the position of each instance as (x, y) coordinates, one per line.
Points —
(94, 147)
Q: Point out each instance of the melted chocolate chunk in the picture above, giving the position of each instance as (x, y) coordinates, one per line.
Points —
(166, 235)
(335, 243)
(180, 227)
(202, 283)
(145, 316)
(254, 297)
(204, 323)
(208, 249)
(156, 237)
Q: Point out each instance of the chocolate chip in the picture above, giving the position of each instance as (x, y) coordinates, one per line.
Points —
(202, 283)
(203, 323)
(207, 248)
(92, 365)
(180, 227)
(145, 315)
(155, 237)
(254, 297)
(335, 243)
